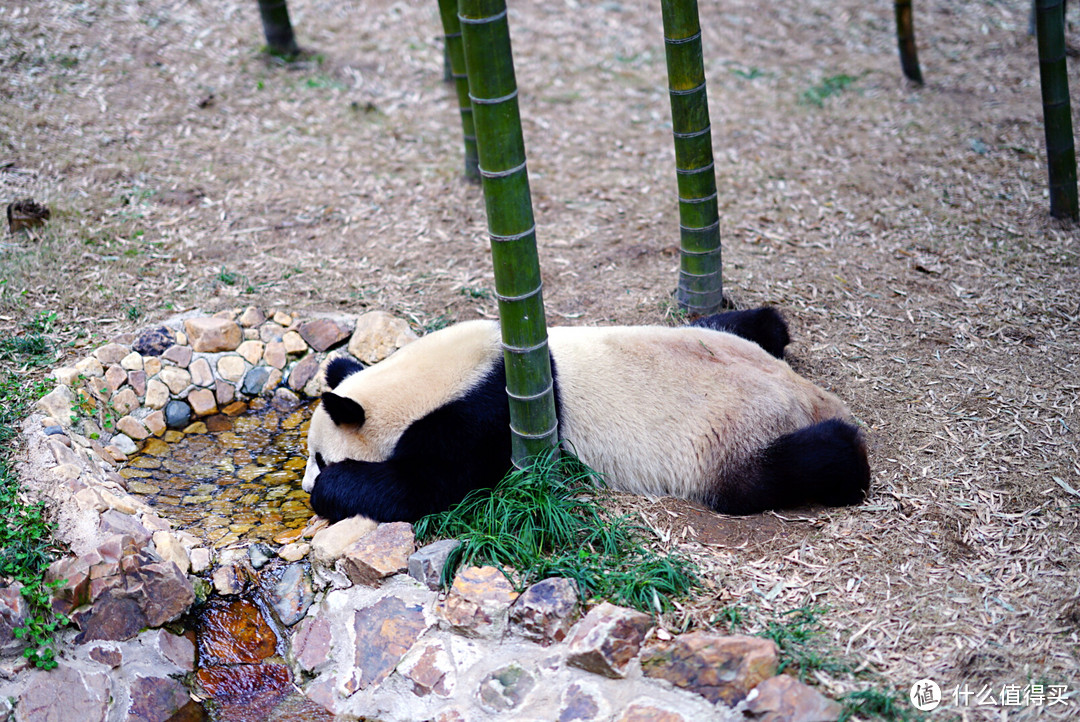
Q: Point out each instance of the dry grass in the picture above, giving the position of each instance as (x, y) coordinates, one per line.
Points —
(903, 230)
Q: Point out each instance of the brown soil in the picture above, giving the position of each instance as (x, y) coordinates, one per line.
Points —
(904, 232)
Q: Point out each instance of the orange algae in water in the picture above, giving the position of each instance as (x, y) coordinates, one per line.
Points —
(241, 481)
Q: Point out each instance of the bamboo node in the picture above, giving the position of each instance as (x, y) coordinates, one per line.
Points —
(691, 171)
(687, 274)
(705, 199)
(694, 133)
(522, 297)
(515, 237)
(502, 173)
(703, 228)
(691, 91)
(522, 350)
(680, 41)
(482, 21)
(531, 397)
(553, 431)
(494, 101)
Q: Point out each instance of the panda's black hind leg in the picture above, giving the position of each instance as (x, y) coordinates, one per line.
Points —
(824, 463)
(764, 326)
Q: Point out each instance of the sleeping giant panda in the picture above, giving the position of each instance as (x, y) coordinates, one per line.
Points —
(701, 412)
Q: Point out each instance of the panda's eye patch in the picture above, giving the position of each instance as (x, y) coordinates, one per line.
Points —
(319, 461)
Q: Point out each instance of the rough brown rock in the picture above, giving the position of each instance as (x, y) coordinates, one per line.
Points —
(478, 601)
(312, 644)
(115, 377)
(377, 335)
(431, 670)
(385, 631)
(213, 335)
(201, 373)
(179, 355)
(111, 353)
(176, 378)
(505, 688)
(719, 668)
(303, 371)
(155, 699)
(546, 611)
(13, 611)
(328, 544)
(786, 699)
(203, 402)
(380, 554)
(322, 334)
(132, 427)
(607, 639)
(64, 693)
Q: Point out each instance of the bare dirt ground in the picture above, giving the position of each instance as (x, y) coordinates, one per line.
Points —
(903, 231)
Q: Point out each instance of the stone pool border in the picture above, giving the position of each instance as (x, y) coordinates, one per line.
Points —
(367, 639)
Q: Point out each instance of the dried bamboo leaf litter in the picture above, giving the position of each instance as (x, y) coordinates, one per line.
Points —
(903, 231)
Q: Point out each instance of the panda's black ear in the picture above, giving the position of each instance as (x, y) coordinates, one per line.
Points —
(340, 368)
(343, 411)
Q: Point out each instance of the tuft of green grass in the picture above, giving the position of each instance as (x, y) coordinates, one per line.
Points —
(803, 648)
(874, 703)
(228, 278)
(546, 521)
(828, 87)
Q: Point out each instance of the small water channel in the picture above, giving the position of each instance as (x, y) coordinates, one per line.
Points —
(228, 479)
(232, 481)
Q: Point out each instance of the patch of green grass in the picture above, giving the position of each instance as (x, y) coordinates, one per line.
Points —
(731, 617)
(828, 87)
(228, 278)
(546, 521)
(439, 322)
(803, 648)
(26, 541)
(324, 81)
(32, 349)
(44, 322)
(873, 703)
(476, 292)
(750, 73)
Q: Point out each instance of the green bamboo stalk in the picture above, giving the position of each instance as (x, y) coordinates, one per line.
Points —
(700, 289)
(905, 38)
(1057, 113)
(493, 92)
(455, 54)
(277, 28)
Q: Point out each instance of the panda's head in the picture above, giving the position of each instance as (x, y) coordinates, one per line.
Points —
(365, 411)
(335, 431)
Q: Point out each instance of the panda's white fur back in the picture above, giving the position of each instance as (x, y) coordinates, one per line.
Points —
(663, 411)
(656, 410)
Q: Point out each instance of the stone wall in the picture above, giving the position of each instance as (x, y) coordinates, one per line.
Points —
(364, 632)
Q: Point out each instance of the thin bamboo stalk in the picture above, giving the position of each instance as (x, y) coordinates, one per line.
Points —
(277, 28)
(1057, 113)
(518, 288)
(905, 39)
(700, 289)
(455, 55)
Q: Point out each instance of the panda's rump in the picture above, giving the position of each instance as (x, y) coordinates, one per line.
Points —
(663, 411)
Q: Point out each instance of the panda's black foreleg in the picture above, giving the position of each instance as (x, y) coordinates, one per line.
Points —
(825, 463)
(377, 490)
(764, 326)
